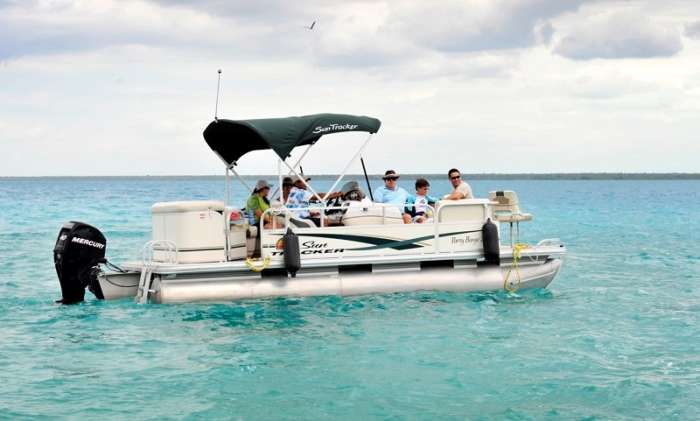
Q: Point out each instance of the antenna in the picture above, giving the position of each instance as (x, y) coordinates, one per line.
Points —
(218, 85)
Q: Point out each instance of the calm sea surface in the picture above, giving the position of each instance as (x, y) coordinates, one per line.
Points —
(616, 336)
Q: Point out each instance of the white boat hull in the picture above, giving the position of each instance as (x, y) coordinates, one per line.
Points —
(229, 287)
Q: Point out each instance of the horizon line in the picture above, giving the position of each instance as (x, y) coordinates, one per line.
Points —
(552, 175)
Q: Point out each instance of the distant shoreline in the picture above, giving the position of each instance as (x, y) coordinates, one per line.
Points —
(483, 176)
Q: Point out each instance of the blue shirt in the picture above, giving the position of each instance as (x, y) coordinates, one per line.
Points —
(299, 198)
(395, 197)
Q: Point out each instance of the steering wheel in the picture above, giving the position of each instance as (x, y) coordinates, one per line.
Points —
(333, 202)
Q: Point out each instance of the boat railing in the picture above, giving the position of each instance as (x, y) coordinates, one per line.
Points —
(279, 217)
(288, 212)
(166, 246)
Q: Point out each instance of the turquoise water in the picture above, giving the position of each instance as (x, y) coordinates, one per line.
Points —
(616, 336)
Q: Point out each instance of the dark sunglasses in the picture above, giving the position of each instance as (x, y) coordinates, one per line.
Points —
(391, 178)
(456, 177)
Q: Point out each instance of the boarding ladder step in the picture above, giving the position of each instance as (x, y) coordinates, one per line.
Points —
(144, 285)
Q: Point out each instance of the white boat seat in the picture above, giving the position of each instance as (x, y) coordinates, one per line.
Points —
(372, 215)
(462, 210)
(194, 227)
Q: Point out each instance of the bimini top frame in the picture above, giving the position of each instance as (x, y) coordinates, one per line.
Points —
(231, 139)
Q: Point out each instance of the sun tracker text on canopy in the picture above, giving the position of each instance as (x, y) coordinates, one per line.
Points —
(231, 139)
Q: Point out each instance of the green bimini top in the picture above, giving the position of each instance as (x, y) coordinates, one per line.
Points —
(231, 139)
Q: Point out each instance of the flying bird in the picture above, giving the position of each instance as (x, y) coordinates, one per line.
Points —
(311, 27)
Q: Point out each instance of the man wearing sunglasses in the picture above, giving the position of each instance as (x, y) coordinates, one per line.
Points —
(461, 189)
(391, 193)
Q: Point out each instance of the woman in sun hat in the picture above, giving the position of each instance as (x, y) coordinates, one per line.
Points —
(257, 202)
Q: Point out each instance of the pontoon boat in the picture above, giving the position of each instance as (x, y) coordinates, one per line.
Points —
(206, 250)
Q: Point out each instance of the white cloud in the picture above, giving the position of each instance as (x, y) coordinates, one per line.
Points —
(692, 30)
(620, 34)
(476, 25)
(353, 35)
(55, 27)
(127, 87)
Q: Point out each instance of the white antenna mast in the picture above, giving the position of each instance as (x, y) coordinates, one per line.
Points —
(218, 85)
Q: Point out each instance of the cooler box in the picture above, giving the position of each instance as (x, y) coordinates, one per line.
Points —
(197, 229)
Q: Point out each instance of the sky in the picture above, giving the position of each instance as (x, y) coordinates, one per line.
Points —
(121, 87)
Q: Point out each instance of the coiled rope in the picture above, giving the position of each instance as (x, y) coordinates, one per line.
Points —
(514, 286)
(257, 268)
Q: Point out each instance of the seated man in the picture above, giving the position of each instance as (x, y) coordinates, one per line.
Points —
(418, 205)
(287, 186)
(391, 193)
(352, 195)
(300, 198)
(461, 189)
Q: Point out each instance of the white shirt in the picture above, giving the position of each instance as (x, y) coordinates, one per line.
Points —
(421, 204)
(464, 190)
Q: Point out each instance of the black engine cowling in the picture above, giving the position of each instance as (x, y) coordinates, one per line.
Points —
(79, 249)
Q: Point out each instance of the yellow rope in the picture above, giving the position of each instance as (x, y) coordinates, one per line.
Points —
(251, 265)
(512, 287)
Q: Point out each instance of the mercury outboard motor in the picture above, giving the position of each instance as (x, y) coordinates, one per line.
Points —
(79, 249)
(489, 235)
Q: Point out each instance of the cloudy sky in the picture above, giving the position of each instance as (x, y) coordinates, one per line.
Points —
(121, 87)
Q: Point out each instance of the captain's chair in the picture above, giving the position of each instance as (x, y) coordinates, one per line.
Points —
(506, 208)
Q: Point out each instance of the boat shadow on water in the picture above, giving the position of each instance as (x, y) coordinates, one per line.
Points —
(290, 312)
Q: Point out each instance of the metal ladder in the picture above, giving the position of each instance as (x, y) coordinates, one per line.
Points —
(144, 285)
(146, 277)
